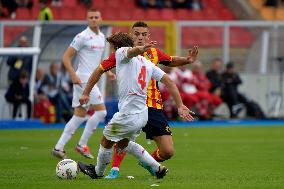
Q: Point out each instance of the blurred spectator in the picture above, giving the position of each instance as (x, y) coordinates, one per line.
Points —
(181, 4)
(11, 6)
(234, 99)
(230, 93)
(51, 88)
(45, 13)
(56, 3)
(271, 3)
(150, 3)
(214, 76)
(40, 75)
(18, 93)
(87, 3)
(43, 108)
(19, 63)
(25, 3)
(168, 4)
(196, 5)
(66, 94)
(203, 85)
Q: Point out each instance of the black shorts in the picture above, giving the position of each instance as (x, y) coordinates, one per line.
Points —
(157, 124)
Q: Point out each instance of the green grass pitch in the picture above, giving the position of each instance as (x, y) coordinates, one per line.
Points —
(205, 158)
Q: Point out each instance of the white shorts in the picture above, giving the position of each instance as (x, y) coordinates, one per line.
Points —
(95, 96)
(123, 126)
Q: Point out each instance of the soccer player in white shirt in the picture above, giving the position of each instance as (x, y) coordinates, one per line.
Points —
(133, 75)
(89, 46)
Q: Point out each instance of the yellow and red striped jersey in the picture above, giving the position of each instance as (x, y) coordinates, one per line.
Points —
(156, 56)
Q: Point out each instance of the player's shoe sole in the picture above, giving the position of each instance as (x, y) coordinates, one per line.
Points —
(84, 151)
(59, 154)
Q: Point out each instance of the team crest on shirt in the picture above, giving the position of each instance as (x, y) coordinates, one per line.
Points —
(149, 55)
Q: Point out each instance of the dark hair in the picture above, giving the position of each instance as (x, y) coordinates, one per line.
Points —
(140, 24)
(120, 39)
(24, 74)
(230, 65)
(93, 10)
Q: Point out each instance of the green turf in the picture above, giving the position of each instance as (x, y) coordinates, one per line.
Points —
(206, 157)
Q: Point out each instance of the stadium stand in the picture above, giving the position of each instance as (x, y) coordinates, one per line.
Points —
(213, 10)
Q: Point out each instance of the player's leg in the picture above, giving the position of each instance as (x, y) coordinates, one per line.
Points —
(72, 125)
(165, 148)
(92, 123)
(116, 161)
(103, 159)
(157, 129)
(148, 161)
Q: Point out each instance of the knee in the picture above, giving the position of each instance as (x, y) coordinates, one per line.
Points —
(101, 114)
(167, 153)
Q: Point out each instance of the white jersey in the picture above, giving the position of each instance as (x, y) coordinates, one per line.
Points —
(133, 76)
(90, 48)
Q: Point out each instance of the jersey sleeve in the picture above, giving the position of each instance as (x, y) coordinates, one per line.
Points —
(121, 55)
(163, 58)
(109, 63)
(157, 73)
(78, 42)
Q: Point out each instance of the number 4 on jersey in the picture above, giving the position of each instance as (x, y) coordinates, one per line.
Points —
(142, 77)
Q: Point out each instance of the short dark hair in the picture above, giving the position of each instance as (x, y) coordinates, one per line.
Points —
(24, 74)
(140, 24)
(93, 10)
(230, 65)
(120, 39)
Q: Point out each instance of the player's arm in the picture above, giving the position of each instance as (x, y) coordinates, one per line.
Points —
(135, 51)
(180, 61)
(67, 56)
(94, 78)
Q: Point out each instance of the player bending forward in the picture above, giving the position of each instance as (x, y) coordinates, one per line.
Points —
(133, 75)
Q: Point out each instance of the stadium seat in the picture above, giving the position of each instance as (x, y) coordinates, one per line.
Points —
(23, 14)
(167, 14)
(257, 4)
(67, 15)
(182, 14)
(152, 14)
(98, 4)
(70, 3)
(268, 13)
(280, 13)
(80, 12)
(138, 14)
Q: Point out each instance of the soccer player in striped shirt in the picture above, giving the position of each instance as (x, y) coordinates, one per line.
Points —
(157, 127)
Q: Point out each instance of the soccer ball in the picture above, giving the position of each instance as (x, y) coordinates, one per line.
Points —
(67, 169)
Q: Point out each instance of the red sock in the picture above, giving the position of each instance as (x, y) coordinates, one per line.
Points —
(156, 155)
(117, 158)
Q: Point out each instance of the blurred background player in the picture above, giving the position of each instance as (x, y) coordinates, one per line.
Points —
(18, 93)
(133, 112)
(89, 46)
(157, 128)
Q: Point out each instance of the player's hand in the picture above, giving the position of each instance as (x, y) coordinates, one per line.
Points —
(185, 113)
(76, 80)
(192, 54)
(149, 45)
(111, 75)
(84, 99)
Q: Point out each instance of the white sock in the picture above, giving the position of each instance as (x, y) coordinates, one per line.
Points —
(69, 130)
(91, 125)
(103, 159)
(142, 155)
